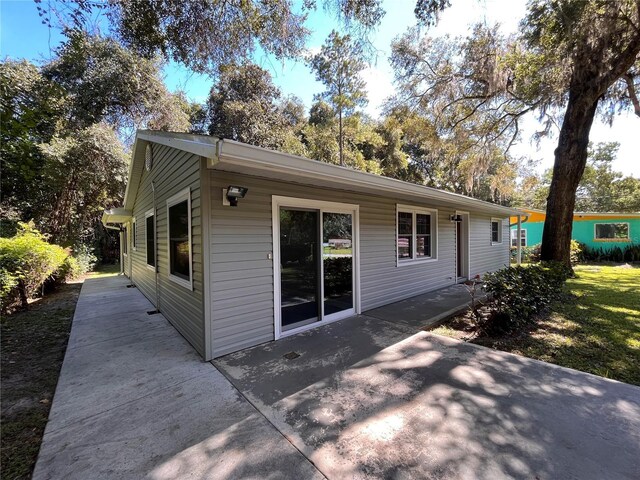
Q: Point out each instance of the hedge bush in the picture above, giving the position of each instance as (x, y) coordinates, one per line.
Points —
(629, 253)
(26, 261)
(531, 254)
(518, 293)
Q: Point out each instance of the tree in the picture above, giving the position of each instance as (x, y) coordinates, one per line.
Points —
(338, 66)
(106, 82)
(65, 127)
(31, 111)
(574, 57)
(84, 173)
(601, 189)
(204, 35)
(246, 106)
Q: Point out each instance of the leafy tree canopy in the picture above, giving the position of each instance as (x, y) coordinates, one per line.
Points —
(246, 106)
(107, 82)
(601, 188)
(204, 35)
(574, 58)
(65, 128)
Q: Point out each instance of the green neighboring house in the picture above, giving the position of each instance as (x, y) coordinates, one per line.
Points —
(596, 230)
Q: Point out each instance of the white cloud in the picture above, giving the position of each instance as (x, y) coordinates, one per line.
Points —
(379, 88)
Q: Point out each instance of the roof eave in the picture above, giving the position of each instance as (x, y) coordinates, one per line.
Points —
(240, 154)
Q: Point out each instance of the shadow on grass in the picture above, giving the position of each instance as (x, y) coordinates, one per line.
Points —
(595, 330)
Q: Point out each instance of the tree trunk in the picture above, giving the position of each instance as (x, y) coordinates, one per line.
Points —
(22, 291)
(340, 136)
(570, 161)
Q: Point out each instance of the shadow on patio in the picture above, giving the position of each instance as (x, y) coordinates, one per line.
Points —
(363, 401)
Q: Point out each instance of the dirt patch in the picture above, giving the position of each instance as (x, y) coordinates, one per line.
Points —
(33, 344)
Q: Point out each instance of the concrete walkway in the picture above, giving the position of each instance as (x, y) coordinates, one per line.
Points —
(135, 401)
(361, 400)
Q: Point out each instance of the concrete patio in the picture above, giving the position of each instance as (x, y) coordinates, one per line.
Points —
(361, 400)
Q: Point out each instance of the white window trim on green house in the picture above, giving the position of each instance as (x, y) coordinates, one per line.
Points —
(497, 221)
(523, 236)
(150, 214)
(611, 239)
(182, 196)
(433, 234)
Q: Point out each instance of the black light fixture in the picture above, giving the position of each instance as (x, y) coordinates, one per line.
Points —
(234, 193)
(456, 218)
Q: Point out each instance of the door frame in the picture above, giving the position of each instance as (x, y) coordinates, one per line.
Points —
(322, 206)
(466, 237)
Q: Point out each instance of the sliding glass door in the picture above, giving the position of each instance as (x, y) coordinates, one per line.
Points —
(316, 263)
(299, 261)
(337, 262)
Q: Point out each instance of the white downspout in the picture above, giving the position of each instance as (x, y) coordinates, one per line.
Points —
(121, 256)
(519, 241)
(155, 242)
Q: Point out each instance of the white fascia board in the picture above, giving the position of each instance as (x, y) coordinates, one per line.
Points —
(240, 154)
(201, 145)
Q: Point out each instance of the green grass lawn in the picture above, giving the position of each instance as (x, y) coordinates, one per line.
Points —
(337, 251)
(33, 344)
(596, 330)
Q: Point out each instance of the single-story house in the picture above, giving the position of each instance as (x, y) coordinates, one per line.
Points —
(596, 230)
(227, 239)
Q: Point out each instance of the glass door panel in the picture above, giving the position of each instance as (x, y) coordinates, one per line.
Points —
(299, 258)
(337, 261)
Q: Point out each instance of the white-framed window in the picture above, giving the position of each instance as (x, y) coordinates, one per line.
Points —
(416, 234)
(496, 231)
(523, 237)
(133, 234)
(179, 238)
(150, 238)
(611, 232)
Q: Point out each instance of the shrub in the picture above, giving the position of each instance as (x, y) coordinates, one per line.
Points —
(26, 261)
(630, 253)
(531, 254)
(84, 255)
(519, 293)
(69, 270)
(575, 252)
(528, 254)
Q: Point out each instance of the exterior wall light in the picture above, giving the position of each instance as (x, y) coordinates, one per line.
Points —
(233, 193)
(456, 218)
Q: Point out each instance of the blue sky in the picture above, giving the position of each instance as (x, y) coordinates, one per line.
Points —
(22, 35)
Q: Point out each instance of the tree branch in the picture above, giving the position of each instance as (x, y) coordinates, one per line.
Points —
(631, 88)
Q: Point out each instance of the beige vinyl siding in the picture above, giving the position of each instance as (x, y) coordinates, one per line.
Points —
(242, 275)
(173, 171)
(485, 256)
